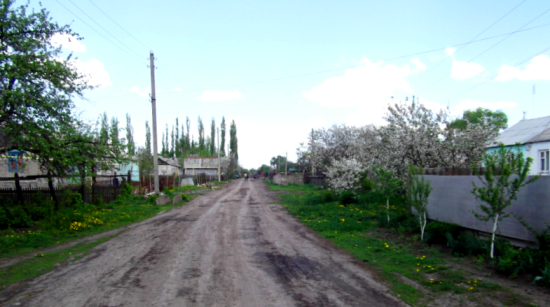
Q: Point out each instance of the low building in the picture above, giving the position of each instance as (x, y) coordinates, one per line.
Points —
(533, 139)
(169, 167)
(200, 165)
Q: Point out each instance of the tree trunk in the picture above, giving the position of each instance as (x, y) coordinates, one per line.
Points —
(18, 190)
(52, 191)
(493, 236)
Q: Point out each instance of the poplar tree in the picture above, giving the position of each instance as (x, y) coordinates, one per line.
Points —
(222, 146)
(212, 137)
(130, 145)
(147, 138)
(233, 145)
(188, 136)
(201, 134)
(177, 139)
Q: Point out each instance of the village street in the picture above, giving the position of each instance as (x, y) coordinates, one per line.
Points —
(230, 247)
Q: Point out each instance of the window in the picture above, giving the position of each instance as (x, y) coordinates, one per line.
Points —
(544, 157)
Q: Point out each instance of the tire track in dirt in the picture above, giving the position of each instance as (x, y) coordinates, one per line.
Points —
(231, 247)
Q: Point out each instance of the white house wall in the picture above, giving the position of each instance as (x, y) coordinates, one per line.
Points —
(533, 152)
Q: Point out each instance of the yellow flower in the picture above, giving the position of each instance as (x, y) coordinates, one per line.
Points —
(470, 289)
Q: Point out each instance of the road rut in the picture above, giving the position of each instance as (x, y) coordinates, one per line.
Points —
(231, 247)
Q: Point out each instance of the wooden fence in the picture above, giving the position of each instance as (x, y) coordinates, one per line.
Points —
(106, 193)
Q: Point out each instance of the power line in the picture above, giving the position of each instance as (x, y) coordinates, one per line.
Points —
(122, 27)
(123, 44)
(385, 60)
(480, 84)
(110, 41)
(484, 51)
(463, 46)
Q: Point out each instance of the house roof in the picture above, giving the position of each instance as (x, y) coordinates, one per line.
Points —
(524, 132)
(169, 161)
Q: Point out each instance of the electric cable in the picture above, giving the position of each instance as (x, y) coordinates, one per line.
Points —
(110, 41)
(384, 60)
(463, 46)
(484, 51)
(144, 45)
(123, 44)
(480, 84)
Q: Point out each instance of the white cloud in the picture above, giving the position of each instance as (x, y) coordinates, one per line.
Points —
(177, 89)
(141, 93)
(93, 71)
(419, 65)
(450, 50)
(215, 95)
(538, 69)
(469, 104)
(67, 41)
(370, 83)
(464, 70)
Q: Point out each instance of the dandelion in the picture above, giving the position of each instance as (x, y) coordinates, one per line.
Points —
(471, 288)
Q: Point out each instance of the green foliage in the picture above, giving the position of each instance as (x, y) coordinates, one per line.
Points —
(347, 198)
(486, 118)
(19, 218)
(544, 279)
(233, 141)
(436, 232)
(418, 191)
(500, 187)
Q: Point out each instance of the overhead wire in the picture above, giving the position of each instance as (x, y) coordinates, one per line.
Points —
(123, 44)
(384, 60)
(484, 51)
(144, 45)
(463, 46)
(110, 41)
(484, 82)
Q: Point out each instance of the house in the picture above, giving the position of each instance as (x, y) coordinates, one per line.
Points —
(168, 166)
(533, 137)
(198, 165)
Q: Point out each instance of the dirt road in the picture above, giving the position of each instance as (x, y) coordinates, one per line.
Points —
(231, 247)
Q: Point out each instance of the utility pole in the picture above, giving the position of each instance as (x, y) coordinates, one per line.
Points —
(312, 154)
(286, 163)
(278, 164)
(219, 164)
(154, 102)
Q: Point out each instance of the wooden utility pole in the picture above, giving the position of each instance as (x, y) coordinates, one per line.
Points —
(278, 164)
(312, 153)
(154, 103)
(219, 164)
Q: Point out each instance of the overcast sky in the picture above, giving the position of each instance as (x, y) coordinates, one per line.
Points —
(280, 68)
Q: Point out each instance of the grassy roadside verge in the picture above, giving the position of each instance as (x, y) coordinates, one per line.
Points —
(43, 263)
(418, 274)
(84, 220)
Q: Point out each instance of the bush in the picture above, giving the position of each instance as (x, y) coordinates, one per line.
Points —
(466, 243)
(436, 232)
(347, 198)
(19, 218)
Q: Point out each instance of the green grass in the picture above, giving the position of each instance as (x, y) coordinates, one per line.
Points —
(354, 227)
(291, 187)
(43, 263)
(69, 224)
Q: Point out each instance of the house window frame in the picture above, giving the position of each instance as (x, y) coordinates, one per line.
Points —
(543, 158)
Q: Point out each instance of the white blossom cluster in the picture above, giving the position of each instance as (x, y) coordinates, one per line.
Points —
(414, 135)
(344, 174)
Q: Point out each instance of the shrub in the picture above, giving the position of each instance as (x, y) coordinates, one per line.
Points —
(436, 232)
(20, 218)
(347, 198)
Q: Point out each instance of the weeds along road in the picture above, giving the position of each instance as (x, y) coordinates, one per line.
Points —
(231, 247)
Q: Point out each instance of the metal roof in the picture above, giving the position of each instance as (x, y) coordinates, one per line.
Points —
(525, 131)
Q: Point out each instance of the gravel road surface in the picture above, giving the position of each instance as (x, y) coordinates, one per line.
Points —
(230, 247)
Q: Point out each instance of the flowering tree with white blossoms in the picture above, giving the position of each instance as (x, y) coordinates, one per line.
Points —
(345, 174)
